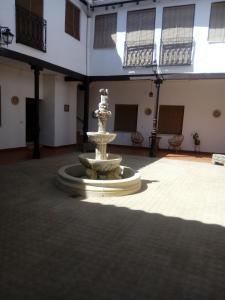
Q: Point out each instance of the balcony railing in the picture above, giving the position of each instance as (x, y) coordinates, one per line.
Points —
(176, 52)
(30, 29)
(138, 54)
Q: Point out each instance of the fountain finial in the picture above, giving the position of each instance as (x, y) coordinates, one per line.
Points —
(102, 113)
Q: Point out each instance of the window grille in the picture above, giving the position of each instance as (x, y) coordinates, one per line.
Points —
(30, 25)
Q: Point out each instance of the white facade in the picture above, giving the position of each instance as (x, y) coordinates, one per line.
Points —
(62, 49)
(207, 57)
(58, 127)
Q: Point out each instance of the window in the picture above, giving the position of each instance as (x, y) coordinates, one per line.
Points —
(140, 37)
(30, 25)
(72, 20)
(170, 119)
(105, 31)
(126, 118)
(177, 35)
(217, 22)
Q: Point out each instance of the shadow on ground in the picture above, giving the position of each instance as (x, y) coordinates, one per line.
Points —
(78, 250)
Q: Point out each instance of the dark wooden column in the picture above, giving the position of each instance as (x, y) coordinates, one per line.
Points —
(86, 110)
(36, 148)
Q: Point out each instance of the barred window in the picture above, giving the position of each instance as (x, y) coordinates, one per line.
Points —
(30, 25)
(72, 20)
(105, 31)
(178, 23)
(171, 119)
(217, 22)
(141, 26)
(125, 117)
(177, 35)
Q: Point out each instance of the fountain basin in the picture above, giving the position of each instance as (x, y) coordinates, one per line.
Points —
(101, 137)
(72, 179)
(100, 165)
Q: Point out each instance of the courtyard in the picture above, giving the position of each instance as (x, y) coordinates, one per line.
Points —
(165, 242)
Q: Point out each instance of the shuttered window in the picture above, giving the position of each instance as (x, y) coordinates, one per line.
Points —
(177, 35)
(34, 6)
(178, 23)
(139, 44)
(217, 22)
(140, 27)
(126, 118)
(72, 20)
(105, 31)
(170, 119)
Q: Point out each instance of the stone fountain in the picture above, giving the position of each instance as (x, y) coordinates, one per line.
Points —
(100, 173)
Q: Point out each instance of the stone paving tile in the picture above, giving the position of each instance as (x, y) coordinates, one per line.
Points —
(166, 242)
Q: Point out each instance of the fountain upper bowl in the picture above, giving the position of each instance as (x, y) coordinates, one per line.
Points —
(101, 137)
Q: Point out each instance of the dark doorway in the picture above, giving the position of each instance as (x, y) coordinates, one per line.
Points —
(29, 120)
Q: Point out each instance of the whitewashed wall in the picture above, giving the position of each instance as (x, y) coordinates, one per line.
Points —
(15, 82)
(208, 57)
(47, 111)
(57, 127)
(200, 98)
(62, 49)
(65, 122)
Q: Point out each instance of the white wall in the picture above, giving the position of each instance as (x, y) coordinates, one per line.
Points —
(57, 127)
(65, 122)
(208, 57)
(15, 82)
(47, 112)
(200, 98)
(62, 49)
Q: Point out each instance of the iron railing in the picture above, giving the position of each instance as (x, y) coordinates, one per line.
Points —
(138, 54)
(176, 52)
(30, 29)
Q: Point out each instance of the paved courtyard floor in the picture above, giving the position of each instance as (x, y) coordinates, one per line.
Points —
(166, 242)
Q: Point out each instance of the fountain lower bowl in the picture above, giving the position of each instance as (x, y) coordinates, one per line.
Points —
(71, 178)
(100, 165)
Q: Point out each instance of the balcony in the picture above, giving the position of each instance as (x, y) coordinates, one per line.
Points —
(138, 54)
(30, 29)
(176, 52)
